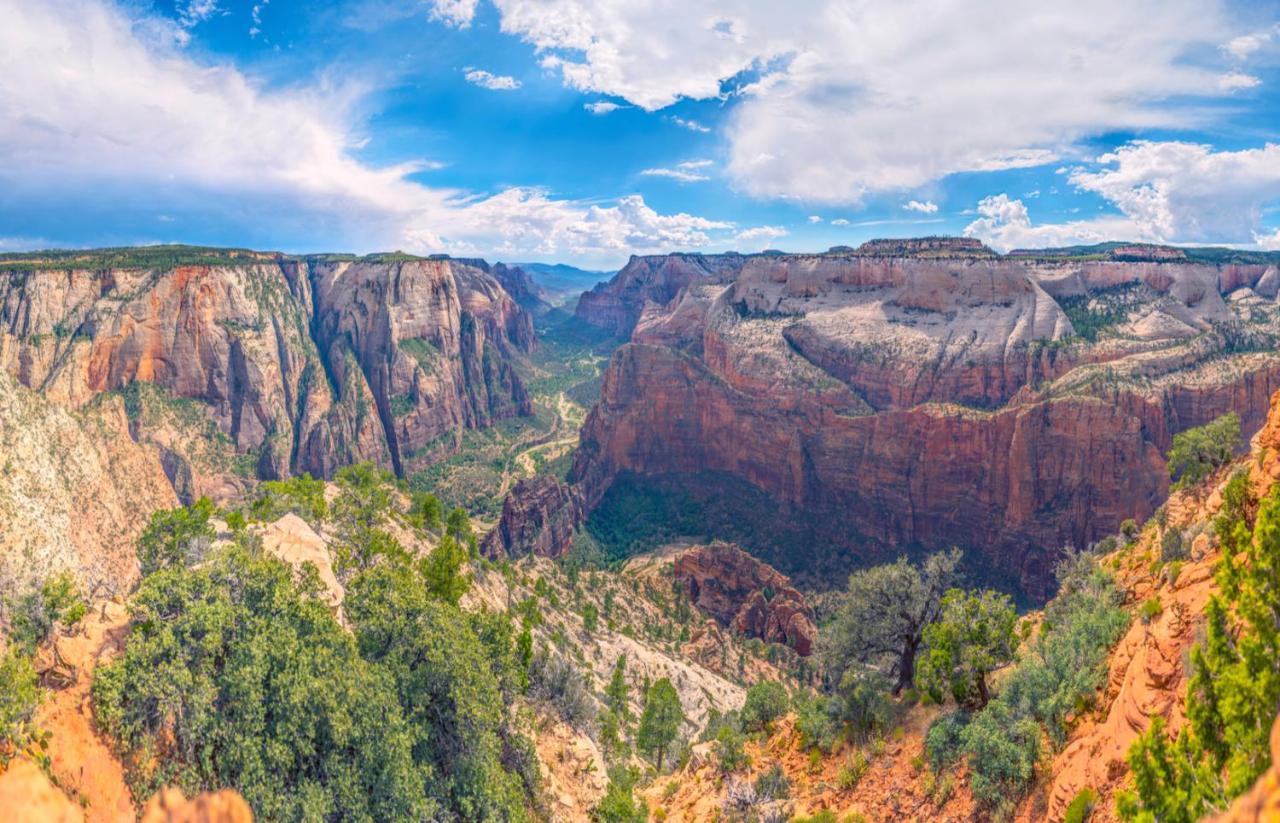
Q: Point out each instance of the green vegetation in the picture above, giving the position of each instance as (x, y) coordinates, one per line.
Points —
(1081, 806)
(974, 634)
(303, 496)
(660, 720)
(235, 673)
(619, 804)
(730, 749)
(165, 256)
(33, 616)
(19, 696)
(1095, 312)
(176, 537)
(766, 702)
(1234, 683)
(883, 619)
(1197, 452)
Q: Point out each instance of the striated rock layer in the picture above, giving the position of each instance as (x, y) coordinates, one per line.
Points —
(301, 364)
(928, 397)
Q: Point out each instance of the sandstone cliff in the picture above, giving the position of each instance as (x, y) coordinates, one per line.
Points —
(901, 396)
(296, 364)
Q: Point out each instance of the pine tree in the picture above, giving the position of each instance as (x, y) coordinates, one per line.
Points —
(618, 695)
(660, 722)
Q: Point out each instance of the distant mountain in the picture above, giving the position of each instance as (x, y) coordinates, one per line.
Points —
(563, 282)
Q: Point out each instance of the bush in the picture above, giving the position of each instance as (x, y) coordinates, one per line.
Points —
(660, 721)
(1129, 528)
(19, 696)
(176, 537)
(303, 496)
(773, 784)
(944, 741)
(1172, 546)
(851, 772)
(1081, 806)
(818, 722)
(426, 511)
(232, 675)
(1150, 609)
(1002, 749)
(974, 635)
(862, 701)
(619, 804)
(730, 750)
(766, 702)
(557, 682)
(57, 602)
(1197, 452)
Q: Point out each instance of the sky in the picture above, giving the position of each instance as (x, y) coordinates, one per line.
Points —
(584, 131)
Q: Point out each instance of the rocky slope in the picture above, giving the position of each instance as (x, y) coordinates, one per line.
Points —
(297, 364)
(929, 393)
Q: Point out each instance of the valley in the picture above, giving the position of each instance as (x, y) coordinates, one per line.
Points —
(391, 537)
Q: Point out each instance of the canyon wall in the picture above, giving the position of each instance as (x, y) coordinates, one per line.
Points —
(296, 364)
(913, 398)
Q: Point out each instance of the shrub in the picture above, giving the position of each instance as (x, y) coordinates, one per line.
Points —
(1150, 609)
(943, 743)
(442, 571)
(766, 702)
(1196, 452)
(19, 696)
(1172, 546)
(176, 537)
(730, 750)
(1081, 806)
(34, 615)
(619, 804)
(557, 682)
(817, 721)
(1129, 528)
(862, 702)
(1002, 749)
(426, 511)
(974, 635)
(773, 784)
(851, 772)
(303, 496)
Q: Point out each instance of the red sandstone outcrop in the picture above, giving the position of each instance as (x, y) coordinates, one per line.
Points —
(746, 595)
(301, 364)
(538, 517)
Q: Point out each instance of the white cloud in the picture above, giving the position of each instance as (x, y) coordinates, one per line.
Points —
(1166, 192)
(93, 108)
(488, 80)
(1270, 242)
(691, 125)
(837, 100)
(839, 221)
(601, 107)
(1237, 80)
(759, 237)
(458, 13)
(683, 175)
(815, 218)
(926, 207)
(196, 12)
(1242, 47)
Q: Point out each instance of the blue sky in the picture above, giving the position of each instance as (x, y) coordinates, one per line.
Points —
(586, 130)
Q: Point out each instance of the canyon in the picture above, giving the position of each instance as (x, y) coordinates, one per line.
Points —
(914, 395)
(293, 364)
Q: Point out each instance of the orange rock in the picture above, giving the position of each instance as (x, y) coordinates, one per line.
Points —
(169, 806)
(27, 796)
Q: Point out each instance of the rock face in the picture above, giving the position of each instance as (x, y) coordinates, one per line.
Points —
(538, 517)
(928, 393)
(299, 364)
(746, 595)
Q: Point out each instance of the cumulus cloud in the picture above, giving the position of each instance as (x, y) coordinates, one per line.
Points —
(1242, 47)
(457, 13)
(834, 101)
(93, 113)
(758, 237)
(601, 107)
(488, 80)
(196, 12)
(691, 125)
(1237, 80)
(926, 207)
(1165, 192)
(1270, 242)
(815, 218)
(840, 221)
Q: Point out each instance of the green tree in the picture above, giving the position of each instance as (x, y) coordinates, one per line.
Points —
(175, 537)
(1196, 452)
(617, 694)
(885, 611)
(1234, 685)
(303, 496)
(233, 674)
(363, 501)
(442, 571)
(426, 511)
(975, 634)
(33, 616)
(660, 721)
(731, 749)
(619, 804)
(766, 702)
